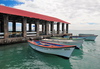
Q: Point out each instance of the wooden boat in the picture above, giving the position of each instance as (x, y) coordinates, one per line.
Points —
(64, 38)
(86, 36)
(78, 43)
(78, 37)
(52, 48)
(83, 36)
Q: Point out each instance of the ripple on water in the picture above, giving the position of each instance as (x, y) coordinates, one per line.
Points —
(21, 56)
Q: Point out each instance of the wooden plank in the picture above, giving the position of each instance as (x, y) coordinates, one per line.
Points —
(43, 27)
(58, 28)
(47, 27)
(5, 20)
(52, 28)
(37, 27)
(24, 21)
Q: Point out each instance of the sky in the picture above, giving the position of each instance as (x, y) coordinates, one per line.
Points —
(82, 14)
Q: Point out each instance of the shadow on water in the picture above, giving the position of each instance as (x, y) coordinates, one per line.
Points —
(22, 56)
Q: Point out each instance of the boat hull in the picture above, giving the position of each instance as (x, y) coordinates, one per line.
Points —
(85, 37)
(85, 34)
(92, 38)
(78, 43)
(89, 36)
(78, 37)
(64, 52)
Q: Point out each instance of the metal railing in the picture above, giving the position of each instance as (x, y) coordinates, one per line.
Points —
(31, 33)
(1, 35)
(15, 34)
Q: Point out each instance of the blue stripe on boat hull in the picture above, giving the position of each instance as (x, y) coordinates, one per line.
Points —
(65, 52)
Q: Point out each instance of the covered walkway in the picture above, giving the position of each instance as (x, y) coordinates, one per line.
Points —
(44, 25)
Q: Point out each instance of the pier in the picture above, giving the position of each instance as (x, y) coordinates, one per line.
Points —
(44, 25)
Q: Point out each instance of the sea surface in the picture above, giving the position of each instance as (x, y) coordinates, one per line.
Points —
(22, 56)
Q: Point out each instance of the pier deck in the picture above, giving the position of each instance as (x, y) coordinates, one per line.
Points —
(44, 26)
(24, 39)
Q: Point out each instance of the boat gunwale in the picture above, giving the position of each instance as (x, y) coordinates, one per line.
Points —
(51, 46)
(61, 40)
(88, 35)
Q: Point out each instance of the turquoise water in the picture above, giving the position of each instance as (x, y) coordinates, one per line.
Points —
(21, 56)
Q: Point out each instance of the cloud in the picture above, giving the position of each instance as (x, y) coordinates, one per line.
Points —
(73, 11)
(91, 23)
(2, 4)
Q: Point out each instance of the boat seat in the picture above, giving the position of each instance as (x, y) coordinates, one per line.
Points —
(46, 45)
(54, 44)
(39, 43)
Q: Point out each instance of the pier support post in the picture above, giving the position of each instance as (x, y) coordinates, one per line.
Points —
(43, 28)
(24, 21)
(66, 28)
(14, 26)
(52, 28)
(2, 26)
(30, 28)
(58, 28)
(63, 28)
(47, 27)
(37, 28)
(5, 26)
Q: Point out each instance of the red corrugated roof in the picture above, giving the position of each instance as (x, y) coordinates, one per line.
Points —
(13, 11)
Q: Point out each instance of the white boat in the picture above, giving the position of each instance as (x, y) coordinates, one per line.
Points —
(52, 48)
(66, 38)
(84, 36)
(78, 43)
(88, 36)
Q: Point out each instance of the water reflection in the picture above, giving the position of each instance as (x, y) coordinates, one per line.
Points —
(77, 54)
(21, 56)
(91, 48)
(89, 42)
(47, 61)
(12, 56)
